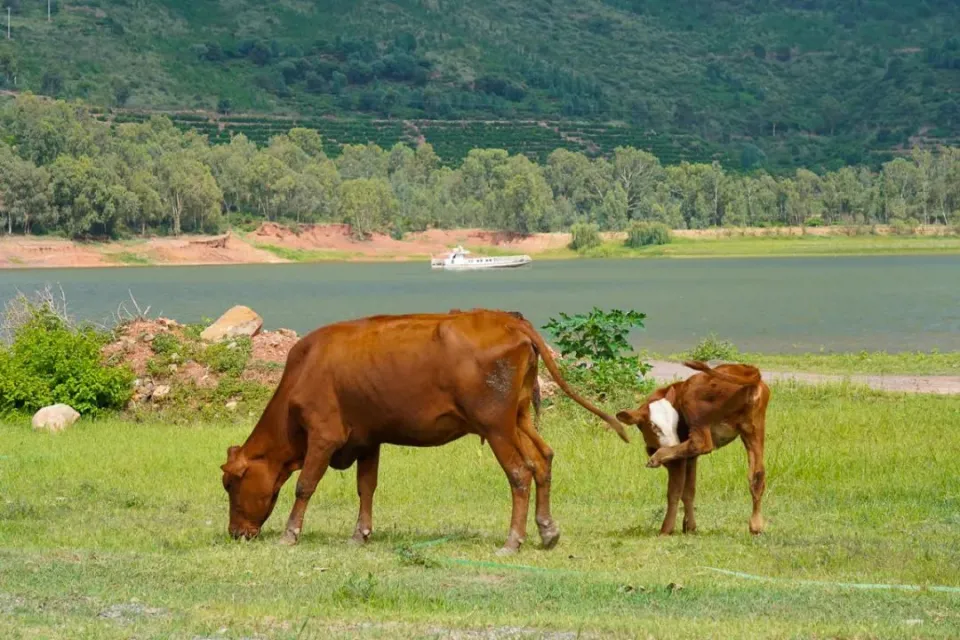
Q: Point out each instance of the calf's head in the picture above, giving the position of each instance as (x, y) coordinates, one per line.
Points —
(657, 418)
(253, 486)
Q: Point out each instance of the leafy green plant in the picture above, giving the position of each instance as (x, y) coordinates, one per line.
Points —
(166, 344)
(713, 348)
(51, 362)
(596, 353)
(598, 335)
(584, 236)
(645, 234)
(229, 358)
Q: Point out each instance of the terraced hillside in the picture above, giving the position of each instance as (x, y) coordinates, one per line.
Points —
(774, 83)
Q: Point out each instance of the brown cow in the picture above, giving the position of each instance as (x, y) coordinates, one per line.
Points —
(692, 418)
(415, 380)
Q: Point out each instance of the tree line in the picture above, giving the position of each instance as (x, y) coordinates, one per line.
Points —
(62, 171)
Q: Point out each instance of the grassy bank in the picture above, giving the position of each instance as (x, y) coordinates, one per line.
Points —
(115, 529)
(915, 363)
(772, 246)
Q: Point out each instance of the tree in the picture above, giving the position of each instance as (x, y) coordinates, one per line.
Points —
(89, 197)
(367, 204)
(24, 191)
(188, 189)
(612, 212)
(638, 173)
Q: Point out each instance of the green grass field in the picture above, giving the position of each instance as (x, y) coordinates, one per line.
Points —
(877, 363)
(772, 246)
(116, 529)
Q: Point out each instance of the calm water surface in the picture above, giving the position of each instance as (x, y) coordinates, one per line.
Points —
(792, 304)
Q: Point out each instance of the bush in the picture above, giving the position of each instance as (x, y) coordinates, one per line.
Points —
(904, 227)
(166, 344)
(50, 362)
(229, 358)
(814, 221)
(713, 348)
(645, 234)
(596, 354)
(585, 236)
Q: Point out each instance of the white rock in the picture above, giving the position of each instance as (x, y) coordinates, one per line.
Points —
(160, 392)
(55, 418)
(236, 322)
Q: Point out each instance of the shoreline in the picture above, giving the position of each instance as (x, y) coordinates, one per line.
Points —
(273, 243)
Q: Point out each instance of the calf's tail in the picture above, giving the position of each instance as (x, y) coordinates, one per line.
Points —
(753, 377)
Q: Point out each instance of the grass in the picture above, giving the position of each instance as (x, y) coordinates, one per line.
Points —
(115, 529)
(129, 258)
(864, 362)
(772, 246)
(307, 255)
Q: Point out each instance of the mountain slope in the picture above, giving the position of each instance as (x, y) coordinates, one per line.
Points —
(774, 82)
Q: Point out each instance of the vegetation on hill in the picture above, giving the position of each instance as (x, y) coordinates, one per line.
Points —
(779, 84)
(64, 171)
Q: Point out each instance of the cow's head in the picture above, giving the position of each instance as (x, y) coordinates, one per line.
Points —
(641, 416)
(253, 486)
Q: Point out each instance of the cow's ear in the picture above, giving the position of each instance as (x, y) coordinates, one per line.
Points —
(628, 417)
(236, 464)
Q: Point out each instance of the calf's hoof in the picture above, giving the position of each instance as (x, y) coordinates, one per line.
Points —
(550, 535)
(757, 526)
(653, 463)
(289, 538)
(507, 551)
(689, 528)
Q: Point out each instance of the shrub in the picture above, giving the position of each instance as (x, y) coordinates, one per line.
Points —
(814, 221)
(713, 348)
(51, 362)
(229, 358)
(645, 234)
(904, 227)
(585, 236)
(596, 354)
(166, 344)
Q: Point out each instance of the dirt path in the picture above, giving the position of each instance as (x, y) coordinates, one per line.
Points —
(943, 385)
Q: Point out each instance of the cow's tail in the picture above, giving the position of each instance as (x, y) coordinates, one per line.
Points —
(544, 352)
(751, 379)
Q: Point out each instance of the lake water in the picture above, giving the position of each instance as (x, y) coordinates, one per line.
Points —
(889, 303)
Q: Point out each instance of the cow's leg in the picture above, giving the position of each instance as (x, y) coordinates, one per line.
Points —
(366, 484)
(519, 477)
(688, 497)
(677, 474)
(540, 452)
(700, 443)
(757, 475)
(315, 463)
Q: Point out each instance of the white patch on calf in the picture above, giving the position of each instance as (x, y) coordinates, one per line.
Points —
(665, 420)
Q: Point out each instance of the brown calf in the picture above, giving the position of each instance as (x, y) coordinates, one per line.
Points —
(691, 418)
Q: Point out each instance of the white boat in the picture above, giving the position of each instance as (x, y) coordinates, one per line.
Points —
(457, 260)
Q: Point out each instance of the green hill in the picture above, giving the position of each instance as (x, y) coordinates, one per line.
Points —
(776, 83)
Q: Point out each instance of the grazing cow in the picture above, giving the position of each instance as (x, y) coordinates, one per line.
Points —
(415, 380)
(692, 418)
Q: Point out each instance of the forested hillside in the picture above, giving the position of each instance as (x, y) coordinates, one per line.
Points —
(771, 83)
(63, 170)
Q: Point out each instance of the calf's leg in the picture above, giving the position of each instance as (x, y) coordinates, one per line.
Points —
(689, 495)
(676, 476)
(699, 443)
(367, 467)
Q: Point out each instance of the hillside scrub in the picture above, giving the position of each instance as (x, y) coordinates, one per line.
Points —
(63, 171)
(761, 84)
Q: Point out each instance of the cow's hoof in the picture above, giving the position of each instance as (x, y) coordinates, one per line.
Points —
(653, 463)
(289, 538)
(359, 538)
(550, 535)
(507, 551)
(689, 528)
